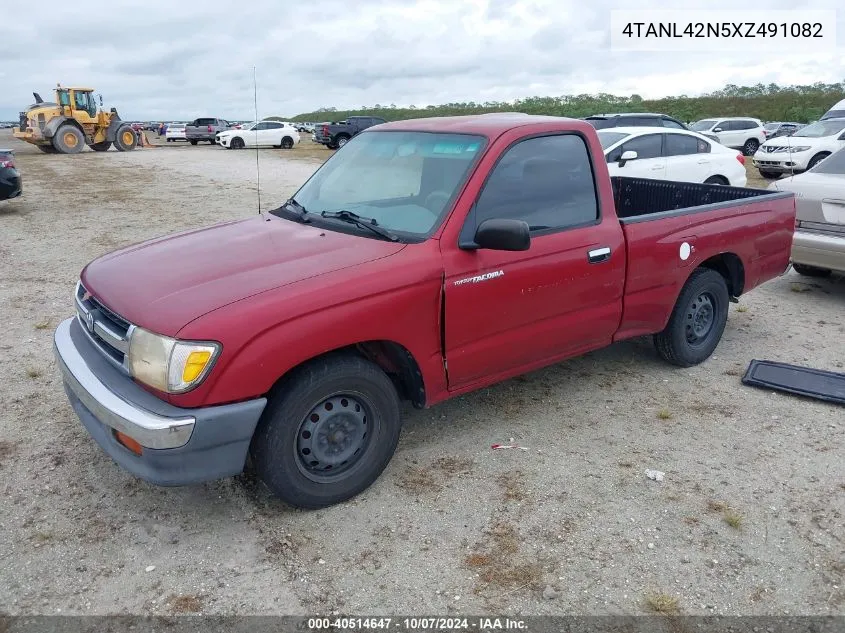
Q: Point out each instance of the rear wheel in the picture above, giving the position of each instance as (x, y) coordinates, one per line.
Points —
(237, 143)
(287, 143)
(103, 146)
(341, 140)
(125, 140)
(697, 321)
(810, 271)
(68, 139)
(750, 147)
(328, 432)
(193, 142)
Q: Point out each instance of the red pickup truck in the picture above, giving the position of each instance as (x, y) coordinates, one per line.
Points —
(424, 260)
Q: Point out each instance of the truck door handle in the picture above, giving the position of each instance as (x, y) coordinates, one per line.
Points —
(598, 255)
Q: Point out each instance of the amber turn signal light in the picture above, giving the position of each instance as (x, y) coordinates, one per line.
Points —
(128, 442)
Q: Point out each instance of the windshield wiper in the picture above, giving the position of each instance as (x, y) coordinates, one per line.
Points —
(361, 221)
(292, 208)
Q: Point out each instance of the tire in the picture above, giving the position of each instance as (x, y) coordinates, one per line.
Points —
(341, 140)
(815, 160)
(810, 271)
(125, 140)
(690, 336)
(170, 140)
(330, 146)
(717, 180)
(101, 147)
(362, 399)
(750, 147)
(772, 175)
(237, 143)
(68, 139)
(287, 143)
(193, 142)
(47, 149)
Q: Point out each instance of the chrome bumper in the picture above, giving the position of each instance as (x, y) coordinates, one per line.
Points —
(148, 429)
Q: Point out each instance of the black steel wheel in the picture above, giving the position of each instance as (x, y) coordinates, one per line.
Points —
(328, 431)
(697, 321)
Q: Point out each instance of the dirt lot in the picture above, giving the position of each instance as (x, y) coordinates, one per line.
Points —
(749, 518)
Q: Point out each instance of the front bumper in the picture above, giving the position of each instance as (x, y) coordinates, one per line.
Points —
(819, 250)
(180, 446)
(780, 162)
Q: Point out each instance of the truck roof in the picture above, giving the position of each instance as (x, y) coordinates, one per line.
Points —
(492, 124)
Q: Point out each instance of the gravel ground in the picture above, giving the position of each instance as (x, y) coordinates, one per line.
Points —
(748, 520)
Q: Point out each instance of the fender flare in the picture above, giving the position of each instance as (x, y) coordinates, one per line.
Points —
(56, 122)
(115, 124)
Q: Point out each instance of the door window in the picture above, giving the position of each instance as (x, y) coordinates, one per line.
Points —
(681, 145)
(545, 181)
(646, 146)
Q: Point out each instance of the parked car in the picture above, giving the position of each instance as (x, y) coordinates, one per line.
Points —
(430, 258)
(738, 132)
(836, 112)
(261, 134)
(175, 132)
(204, 129)
(11, 185)
(818, 246)
(802, 151)
(638, 119)
(666, 154)
(335, 135)
(773, 129)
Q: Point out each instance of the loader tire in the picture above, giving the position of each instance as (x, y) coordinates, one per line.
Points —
(68, 139)
(103, 146)
(125, 140)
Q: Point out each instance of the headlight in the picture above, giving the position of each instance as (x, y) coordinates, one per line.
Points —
(800, 148)
(167, 364)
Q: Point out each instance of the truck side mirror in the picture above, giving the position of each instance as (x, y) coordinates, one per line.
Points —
(626, 156)
(501, 234)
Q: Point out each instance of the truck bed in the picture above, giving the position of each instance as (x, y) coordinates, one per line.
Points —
(671, 228)
(642, 199)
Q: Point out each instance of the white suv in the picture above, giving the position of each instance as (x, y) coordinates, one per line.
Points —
(802, 151)
(738, 132)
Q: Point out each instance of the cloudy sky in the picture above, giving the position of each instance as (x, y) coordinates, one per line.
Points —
(179, 59)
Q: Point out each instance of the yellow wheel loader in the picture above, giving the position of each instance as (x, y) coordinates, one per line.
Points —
(73, 121)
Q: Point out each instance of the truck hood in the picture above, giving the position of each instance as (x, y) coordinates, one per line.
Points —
(164, 284)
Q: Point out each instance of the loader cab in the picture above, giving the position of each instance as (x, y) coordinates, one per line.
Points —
(78, 99)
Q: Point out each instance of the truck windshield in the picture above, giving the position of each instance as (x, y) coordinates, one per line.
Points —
(405, 181)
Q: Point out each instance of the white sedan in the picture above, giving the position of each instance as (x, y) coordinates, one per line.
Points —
(261, 134)
(175, 132)
(668, 154)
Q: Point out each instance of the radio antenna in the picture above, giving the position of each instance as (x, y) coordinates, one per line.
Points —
(257, 164)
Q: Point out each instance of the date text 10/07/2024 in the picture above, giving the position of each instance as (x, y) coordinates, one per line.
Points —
(747, 30)
(479, 624)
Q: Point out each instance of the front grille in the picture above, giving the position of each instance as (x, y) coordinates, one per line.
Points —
(107, 330)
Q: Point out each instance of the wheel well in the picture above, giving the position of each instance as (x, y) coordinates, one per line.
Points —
(731, 268)
(720, 177)
(396, 361)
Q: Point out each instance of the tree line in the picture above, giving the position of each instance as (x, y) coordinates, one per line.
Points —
(767, 102)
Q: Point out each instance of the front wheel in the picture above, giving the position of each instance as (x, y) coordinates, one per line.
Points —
(697, 321)
(328, 432)
(751, 146)
(125, 140)
(237, 143)
(815, 160)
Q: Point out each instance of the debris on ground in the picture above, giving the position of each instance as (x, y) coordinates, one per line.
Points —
(496, 447)
(655, 475)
